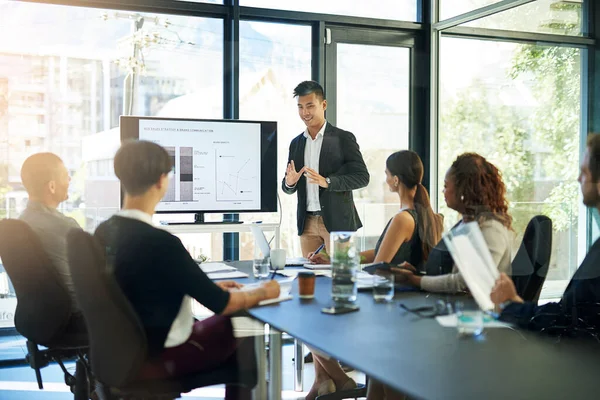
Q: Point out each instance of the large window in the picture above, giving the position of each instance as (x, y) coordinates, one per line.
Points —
(274, 58)
(63, 84)
(402, 10)
(543, 16)
(519, 106)
(372, 96)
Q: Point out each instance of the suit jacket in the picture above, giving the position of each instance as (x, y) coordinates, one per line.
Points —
(583, 290)
(340, 161)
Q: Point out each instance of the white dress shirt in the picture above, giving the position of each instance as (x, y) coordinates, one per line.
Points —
(182, 326)
(312, 152)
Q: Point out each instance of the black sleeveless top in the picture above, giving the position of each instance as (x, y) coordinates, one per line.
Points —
(410, 251)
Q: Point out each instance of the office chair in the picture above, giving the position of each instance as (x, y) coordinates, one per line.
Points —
(43, 315)
(118, 345)
(530, 265)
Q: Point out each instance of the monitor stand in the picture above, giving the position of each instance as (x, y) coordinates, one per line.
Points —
(199, 220)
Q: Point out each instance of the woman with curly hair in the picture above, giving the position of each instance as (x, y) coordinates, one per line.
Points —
(474, 187)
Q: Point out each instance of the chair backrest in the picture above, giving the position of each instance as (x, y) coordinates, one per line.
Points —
(118, 345)
(43, 302)
(530, 265)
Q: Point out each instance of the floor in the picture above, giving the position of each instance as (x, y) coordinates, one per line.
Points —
(18, 383)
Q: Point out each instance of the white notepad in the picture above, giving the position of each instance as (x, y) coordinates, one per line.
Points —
(209, 268)
(284, 293)
(317, 266)
(227, 275)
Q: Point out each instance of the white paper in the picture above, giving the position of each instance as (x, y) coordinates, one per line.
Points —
(227, 275)
(212, 267)
(285, 288)
(292, 273)
(317, 266)
(450, 321)
(296, 261)
(364, 280)
(260, 240)
(474, 261)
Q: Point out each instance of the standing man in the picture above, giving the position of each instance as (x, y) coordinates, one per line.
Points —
(324, 167)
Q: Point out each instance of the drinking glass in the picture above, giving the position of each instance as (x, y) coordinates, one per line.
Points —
(383, 286)
(261, 267)
(469, 319)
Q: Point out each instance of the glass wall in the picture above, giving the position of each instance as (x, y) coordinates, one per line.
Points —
(274, 59)
(373, 102)
(64, 92)
(519, 106)
(401, 10)
(541, 16)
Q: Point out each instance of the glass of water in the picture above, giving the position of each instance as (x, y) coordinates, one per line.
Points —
(469, 319)
(261, 267)
(383, 286)
(345, 262)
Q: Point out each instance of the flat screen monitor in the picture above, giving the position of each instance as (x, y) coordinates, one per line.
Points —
(220, 166)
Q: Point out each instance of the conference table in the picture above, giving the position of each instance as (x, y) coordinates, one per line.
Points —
(422, 359)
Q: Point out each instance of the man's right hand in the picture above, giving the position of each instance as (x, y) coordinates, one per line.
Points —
(291, 175)
(271, 289)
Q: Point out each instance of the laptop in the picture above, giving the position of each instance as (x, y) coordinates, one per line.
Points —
(261, 241)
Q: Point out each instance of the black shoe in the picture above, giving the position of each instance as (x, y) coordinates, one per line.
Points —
(308, 358)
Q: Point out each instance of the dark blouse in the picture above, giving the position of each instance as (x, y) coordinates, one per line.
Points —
(410, 251)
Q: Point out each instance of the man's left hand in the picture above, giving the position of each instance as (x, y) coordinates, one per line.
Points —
(314, 177)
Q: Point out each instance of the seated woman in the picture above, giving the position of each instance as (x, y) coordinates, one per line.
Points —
(408, 237)
(474, 187)
(159, 277)
(411, 233)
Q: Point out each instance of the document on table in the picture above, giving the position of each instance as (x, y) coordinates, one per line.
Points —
(227, 275)
(364, 280)
(450, 321)
(285, 288)
(474, 261)
(317, 266)
(296, 261)
(293, 272)
(215, 270)
(212, 267)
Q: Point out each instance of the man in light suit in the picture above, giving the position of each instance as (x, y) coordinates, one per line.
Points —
(324, 166)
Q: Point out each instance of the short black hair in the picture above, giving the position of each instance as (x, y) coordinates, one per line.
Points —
(593, 144)
(308, 87)
(139, 164)
(37, 170)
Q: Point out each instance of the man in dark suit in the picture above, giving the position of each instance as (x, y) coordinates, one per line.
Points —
(582, 296)
(324, 167)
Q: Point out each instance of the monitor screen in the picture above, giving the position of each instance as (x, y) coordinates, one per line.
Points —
(220, 166)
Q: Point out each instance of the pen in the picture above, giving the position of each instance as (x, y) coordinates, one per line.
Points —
(319, 249)
(273, 274)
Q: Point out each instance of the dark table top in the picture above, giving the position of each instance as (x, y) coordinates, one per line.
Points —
(422, 359)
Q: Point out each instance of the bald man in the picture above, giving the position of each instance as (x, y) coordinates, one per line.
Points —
(46, 180)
